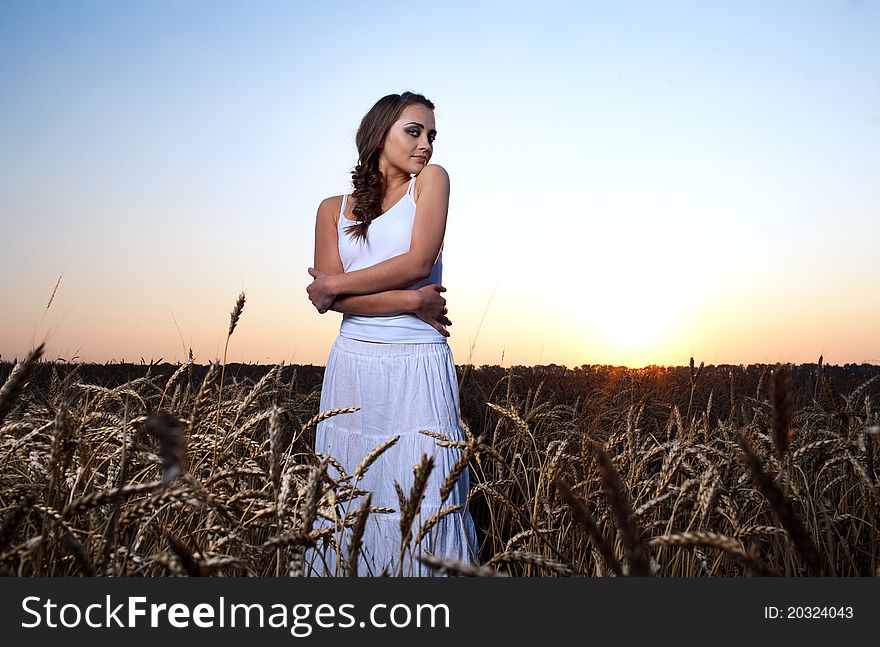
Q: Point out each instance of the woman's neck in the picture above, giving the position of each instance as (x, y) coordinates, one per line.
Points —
(393, 179)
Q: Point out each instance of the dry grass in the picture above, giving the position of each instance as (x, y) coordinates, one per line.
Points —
(222, 479)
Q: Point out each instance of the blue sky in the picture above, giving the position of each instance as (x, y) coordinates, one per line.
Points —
(631, 183)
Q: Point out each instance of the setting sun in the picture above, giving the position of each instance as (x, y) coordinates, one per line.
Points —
(638, 289)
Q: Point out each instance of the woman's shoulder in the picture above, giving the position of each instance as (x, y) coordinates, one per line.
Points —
(330, 208)
(334, 201)
(431, 174)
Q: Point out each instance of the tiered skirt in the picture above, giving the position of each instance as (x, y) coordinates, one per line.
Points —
(401, 389)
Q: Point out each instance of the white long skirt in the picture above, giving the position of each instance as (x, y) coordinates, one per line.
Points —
(401, 388)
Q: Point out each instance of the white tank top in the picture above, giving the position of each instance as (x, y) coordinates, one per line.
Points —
(388, 235)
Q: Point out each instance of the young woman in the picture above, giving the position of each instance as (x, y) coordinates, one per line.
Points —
(378, 260)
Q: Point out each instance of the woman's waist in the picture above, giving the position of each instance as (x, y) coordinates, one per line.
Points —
(404, 327)
(392, 348)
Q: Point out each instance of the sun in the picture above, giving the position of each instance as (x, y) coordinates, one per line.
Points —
(632, 315)
(637, 287)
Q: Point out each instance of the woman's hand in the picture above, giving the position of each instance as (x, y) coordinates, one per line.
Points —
(320, 291)
(432, 307)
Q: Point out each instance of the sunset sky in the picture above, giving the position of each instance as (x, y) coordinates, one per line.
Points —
(631, 183)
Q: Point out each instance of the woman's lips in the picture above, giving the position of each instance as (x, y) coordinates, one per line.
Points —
(421, 159)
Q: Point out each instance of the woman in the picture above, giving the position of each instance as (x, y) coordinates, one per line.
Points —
(378, 260)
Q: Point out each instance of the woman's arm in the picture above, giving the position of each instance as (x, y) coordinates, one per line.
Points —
(388, 302)
(429, 228)
(426, 303)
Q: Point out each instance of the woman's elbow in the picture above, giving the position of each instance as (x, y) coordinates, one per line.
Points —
(422, 266)
(423, 269)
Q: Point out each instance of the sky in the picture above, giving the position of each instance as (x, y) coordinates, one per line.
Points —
(631, 183)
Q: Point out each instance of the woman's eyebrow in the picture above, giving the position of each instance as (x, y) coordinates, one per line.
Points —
(416, 123)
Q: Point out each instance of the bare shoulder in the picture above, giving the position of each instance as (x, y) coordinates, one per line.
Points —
(330, 208)
(432, 175)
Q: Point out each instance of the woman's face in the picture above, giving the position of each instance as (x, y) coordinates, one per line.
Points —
(409, 143)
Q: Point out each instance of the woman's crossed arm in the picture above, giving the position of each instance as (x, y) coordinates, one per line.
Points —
(426, 302)
(429, 227)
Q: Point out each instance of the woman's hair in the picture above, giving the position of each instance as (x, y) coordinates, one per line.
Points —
(368, 183)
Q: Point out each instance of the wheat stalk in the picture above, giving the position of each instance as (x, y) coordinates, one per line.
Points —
(620, 506)
(19, 376)
(520, 557)
(357, 534)
(372, 456)
(782, 507)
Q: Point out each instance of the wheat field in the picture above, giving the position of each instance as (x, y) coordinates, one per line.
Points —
(596, 471)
